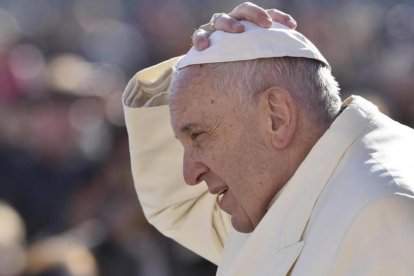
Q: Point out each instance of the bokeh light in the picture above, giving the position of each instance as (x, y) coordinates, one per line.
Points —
(64, 157)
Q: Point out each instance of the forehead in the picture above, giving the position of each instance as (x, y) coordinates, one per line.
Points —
(194, 86)
(194, 80)
(195, 96)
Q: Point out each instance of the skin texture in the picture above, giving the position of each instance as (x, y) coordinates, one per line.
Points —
(250, 149)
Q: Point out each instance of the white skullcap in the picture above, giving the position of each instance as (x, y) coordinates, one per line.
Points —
(255, 42)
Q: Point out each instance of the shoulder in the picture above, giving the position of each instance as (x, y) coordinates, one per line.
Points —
(380, 239)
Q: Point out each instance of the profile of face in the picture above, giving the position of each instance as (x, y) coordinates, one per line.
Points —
(226, 144)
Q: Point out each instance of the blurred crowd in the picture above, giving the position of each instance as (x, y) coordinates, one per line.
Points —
(67, 202)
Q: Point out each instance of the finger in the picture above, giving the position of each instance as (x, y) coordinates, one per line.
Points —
(226, 23)
(253, 13)
(222, 22)
(218, 22)
(200, 39)
(282, 18)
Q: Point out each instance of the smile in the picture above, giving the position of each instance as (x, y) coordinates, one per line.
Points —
(222, 191)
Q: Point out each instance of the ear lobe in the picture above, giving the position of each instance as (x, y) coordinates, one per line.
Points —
(282, 112)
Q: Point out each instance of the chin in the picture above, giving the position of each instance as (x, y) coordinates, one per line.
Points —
(242, 226)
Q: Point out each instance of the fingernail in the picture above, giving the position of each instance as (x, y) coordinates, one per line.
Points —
(293, 21)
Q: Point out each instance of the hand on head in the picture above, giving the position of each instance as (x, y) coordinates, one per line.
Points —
(229, 22)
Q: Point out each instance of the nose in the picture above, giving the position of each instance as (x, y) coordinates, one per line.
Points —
(193, 170)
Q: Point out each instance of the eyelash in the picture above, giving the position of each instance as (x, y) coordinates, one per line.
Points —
(196, 134)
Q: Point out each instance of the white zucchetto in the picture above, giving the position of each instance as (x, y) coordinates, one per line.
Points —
(255, 42)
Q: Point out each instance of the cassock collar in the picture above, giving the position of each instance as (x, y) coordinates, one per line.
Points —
(283, 225)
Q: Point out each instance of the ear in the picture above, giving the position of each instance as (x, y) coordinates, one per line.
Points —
(281, 113)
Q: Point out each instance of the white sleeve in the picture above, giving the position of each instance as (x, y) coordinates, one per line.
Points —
(187, 214)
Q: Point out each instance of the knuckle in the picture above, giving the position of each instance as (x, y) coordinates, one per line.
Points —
(201, 36)
(202, 27)
(258, 13)
(224, 23)
(246, 4)
(287, 16)
(198, 37)
(216, 16)
(279, 13)
(227, 23)
(196, 33)
(195, 37)
(215, 20)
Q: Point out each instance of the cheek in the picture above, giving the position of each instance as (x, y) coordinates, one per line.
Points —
(235, 155)
(230, 163)
(247, 169)
(224, 156)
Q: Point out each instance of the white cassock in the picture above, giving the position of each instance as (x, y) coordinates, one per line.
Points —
(347, 210)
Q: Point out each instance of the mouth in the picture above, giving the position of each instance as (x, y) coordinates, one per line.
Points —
(216, 189)
(221, 197)
(222, 191)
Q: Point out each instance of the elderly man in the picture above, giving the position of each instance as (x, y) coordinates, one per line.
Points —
(308, 185)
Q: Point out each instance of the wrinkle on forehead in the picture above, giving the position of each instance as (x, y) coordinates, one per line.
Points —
(192, 81)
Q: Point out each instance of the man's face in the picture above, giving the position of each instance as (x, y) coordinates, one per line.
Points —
(224, 146)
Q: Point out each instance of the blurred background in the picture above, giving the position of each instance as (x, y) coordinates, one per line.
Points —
(67, 202)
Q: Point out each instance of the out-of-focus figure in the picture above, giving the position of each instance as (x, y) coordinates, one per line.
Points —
(12, 240)
(60, 255)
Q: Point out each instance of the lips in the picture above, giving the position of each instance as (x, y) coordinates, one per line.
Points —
(222, 200)
(222, 191)
(217, 190)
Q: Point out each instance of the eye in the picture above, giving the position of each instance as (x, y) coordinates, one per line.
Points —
(195, 135)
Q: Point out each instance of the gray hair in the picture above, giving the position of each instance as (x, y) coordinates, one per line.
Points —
(309, 82)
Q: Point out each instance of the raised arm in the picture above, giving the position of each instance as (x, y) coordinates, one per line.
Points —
(189, 215)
